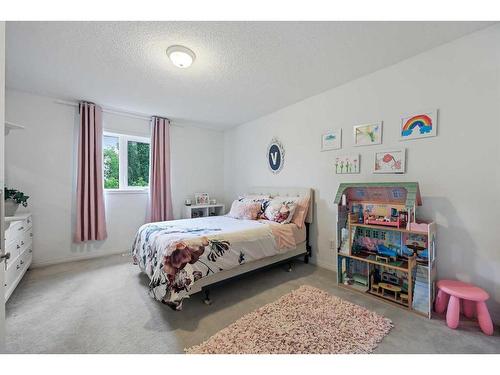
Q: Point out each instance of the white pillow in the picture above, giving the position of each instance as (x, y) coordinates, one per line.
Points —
(263, 200)
(244, 210)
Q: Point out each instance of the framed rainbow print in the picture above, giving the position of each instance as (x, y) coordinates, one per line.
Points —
(419, 125)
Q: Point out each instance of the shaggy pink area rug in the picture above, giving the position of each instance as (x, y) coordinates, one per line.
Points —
(307, 320)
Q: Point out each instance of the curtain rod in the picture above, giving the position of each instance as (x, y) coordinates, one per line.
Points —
(137, 115)
(114, 111)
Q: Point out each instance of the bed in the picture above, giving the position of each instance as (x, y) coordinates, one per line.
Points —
(184, 257)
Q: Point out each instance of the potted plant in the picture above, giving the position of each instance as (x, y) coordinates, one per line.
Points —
(13, 198)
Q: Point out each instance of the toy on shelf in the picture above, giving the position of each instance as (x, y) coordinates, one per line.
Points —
(416, 244)
(389, 284)
(354, 273)
(386, 254)
(386, 215)
(382, 249)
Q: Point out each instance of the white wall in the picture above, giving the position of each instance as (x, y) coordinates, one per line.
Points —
(458, 171)
(40, 160)
(2, 113)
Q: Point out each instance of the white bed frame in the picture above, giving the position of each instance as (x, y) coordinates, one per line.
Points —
(302, 249)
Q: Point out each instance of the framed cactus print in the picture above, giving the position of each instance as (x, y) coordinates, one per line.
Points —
(347, 164)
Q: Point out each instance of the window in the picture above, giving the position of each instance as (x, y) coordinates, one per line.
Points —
(125, 162)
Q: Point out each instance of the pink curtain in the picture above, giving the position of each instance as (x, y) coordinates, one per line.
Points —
(90, 216)
(159, 182)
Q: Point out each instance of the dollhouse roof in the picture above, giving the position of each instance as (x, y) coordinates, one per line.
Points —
(407, 193)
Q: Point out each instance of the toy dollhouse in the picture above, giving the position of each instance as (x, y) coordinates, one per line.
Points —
(382, 249)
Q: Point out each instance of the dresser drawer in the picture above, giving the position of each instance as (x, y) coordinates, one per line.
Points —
(15, 269)
(18, 228)
(12, 272)
(25, 258)
(13, 247)
(18, 245)
(10, 275)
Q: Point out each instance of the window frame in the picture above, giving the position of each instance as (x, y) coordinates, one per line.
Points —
(123, 140)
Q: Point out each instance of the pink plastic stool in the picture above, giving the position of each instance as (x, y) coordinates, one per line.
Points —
(451, 292)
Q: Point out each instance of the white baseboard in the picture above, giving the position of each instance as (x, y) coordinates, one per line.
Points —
(75, 258)
(328, 265)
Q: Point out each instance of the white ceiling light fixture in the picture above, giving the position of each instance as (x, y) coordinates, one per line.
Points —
(181, 56)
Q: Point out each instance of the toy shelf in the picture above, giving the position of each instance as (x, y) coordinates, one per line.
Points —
(382, 250)
(389, 298)
(380, 298)
(386, 227)
(364, 258)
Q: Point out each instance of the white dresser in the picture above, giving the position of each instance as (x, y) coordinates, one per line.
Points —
(19, 243)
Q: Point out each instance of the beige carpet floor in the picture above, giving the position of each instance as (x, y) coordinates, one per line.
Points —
(102, 306)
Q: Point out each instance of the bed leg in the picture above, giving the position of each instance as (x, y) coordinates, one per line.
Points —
(289, 266)
(207, 300)
(308, 247)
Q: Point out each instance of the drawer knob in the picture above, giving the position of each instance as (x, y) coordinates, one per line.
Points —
(20, 228)
(18, 247)
(22, 263)
(31, 234)
(18, 266)
(30, 250)
(22, 243)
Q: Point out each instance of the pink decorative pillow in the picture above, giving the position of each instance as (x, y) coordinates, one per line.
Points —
(244, 210)
(300, 213)
(280, 211)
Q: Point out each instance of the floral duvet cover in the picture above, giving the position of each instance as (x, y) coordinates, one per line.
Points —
(175, 254)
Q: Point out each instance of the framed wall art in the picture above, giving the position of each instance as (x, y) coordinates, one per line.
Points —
(347, 164)
(392, 161)
(368, 134)
(201, 198)
(331, 140)
(419, 125)
(275, 156)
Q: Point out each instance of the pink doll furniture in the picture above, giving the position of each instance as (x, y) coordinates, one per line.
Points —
(473, 299)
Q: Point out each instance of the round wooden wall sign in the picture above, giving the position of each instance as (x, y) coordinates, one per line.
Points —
(275, 156)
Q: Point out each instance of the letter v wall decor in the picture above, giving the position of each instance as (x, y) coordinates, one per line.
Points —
(275, 156)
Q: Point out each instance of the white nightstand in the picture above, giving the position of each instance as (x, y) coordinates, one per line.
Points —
(203, 210)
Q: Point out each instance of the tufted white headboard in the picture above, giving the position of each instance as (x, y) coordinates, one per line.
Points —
(288, 192)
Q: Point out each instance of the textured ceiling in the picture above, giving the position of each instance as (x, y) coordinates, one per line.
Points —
(243, 70)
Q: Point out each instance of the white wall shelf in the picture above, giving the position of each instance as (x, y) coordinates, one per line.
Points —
(11, 126)
(203, 210)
